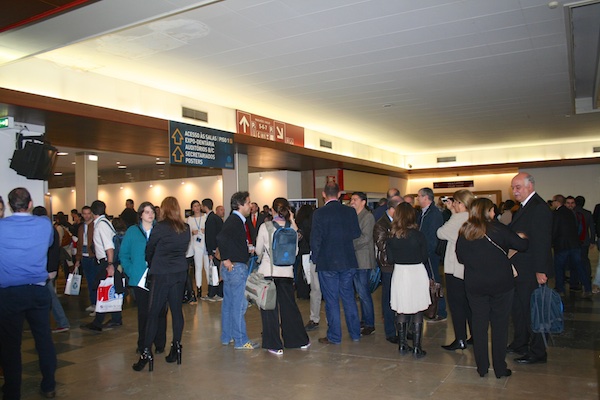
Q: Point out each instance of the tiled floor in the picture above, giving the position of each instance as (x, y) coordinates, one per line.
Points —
(98, 366)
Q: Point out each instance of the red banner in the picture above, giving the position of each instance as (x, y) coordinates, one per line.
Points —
(269, 129)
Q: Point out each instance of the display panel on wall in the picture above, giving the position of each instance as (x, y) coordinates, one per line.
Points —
(297, 203)
(198, 146)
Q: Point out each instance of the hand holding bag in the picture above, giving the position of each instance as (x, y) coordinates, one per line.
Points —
(73, 283)
(259, 290)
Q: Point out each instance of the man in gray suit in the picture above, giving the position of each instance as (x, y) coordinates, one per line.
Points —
(365, 255)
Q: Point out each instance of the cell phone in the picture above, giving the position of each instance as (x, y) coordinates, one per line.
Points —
(446, 198)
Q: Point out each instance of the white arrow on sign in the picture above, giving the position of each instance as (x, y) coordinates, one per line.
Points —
(279, 132)
(244, 123)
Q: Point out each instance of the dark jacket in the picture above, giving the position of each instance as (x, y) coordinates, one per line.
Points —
(535, 221)
(260, 218)
(334, 227)
(129, 216)
(564, 230)
(165, 250)
(54, 253)
(488, 271)
(212, 227)
(429, 223)
(232, 240)
(381, 232)
(90, 241)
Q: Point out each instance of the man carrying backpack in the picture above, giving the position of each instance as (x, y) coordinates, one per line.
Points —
(104, 249)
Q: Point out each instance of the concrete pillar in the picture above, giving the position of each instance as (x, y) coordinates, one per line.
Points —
(86, 179)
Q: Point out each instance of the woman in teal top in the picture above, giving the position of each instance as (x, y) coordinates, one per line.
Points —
(133, 260)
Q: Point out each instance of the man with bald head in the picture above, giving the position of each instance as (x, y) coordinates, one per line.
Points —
(534, 220)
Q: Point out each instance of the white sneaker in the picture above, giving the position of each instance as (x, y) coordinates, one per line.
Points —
(93, 314)
(218, 298)
(90, 308)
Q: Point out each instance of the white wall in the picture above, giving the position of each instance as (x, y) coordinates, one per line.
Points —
(10, 179)
(263, 191)
(581, 180)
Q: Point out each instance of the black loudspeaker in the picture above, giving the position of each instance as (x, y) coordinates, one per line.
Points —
(34, 161)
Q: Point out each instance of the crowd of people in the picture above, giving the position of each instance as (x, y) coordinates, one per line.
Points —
(489, 259)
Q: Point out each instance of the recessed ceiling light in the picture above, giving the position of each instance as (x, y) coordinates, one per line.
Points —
(122, 166)
(58, 173)
(73, 163)
(62, 153)
(160, 163)
(118, 162)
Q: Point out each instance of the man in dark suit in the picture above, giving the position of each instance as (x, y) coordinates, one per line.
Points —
(334, 227)
(567, 248)
(380, 236)
(212, 227)
(587, 236)
(430, 219)
(254, 220)
(533, 219)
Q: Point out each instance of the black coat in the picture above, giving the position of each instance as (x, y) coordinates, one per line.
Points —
(535, 220)
(564, 230)
(488, 270)
(232, 241)
(212, 227)
(166, 249)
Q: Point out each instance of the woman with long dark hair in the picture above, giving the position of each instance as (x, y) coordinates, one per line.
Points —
(285, 320)
(165, 253)
(133, 260)
(407, 250)
(482, 247)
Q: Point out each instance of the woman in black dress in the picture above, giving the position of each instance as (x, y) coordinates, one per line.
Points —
(167, 272)
(482, 247)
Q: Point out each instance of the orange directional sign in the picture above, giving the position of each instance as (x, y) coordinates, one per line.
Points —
(198, 146)
(269, 129)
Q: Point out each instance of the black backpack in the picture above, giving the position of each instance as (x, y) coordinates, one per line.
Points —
(117, 239)
(284, 244)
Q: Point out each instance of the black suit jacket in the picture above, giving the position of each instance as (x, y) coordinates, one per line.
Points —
(212, 227)
(381, 233)
(165, 250)
(334, 228)
(260, 218)
(535, 220)
(564, 230)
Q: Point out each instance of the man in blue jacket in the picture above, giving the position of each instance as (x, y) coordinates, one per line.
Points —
(23, 295)
(334, 228)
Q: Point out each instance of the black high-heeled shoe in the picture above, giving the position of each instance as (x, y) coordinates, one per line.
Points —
(456, 345)
(145, 358)
(507, 374)
(175, 353)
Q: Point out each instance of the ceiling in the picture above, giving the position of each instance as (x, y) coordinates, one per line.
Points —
(411, 76)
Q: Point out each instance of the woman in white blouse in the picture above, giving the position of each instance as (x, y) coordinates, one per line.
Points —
(285, 321)
(197, 248)
(455, 271)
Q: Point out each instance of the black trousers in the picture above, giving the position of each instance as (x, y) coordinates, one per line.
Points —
(459, 306)
(491, 310)
(142, 298)
(285, 318)
(525, 339)
(165, 288)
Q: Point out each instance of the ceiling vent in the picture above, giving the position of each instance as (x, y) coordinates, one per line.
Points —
(194, 114)
(446, 159)
(596, 149)
(326, 143)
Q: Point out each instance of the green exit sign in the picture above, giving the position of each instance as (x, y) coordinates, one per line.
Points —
(7, 122)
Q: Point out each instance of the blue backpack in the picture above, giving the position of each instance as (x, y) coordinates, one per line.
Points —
(284, 244)
(546, 311)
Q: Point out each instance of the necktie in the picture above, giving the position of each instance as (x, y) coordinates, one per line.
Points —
(248, 237)
(254, 220)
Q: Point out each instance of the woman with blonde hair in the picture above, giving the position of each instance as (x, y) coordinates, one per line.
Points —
(455, 271)
(482, 247)
(167, 272)
(409, 294)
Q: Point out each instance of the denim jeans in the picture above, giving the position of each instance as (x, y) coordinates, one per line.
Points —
(573, 256)
(57, 311)
(336, 285)
(233, 308)
(361, 284)
(90, 271)
(17, 303)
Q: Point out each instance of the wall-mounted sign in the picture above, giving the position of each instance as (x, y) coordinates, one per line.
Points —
(197, 146)
(269, 129)
(453, 184)
(7, 122)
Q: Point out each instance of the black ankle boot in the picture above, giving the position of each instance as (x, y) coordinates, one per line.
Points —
(403, 346)
(418, 352)
(145, 358)
(175, 353)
